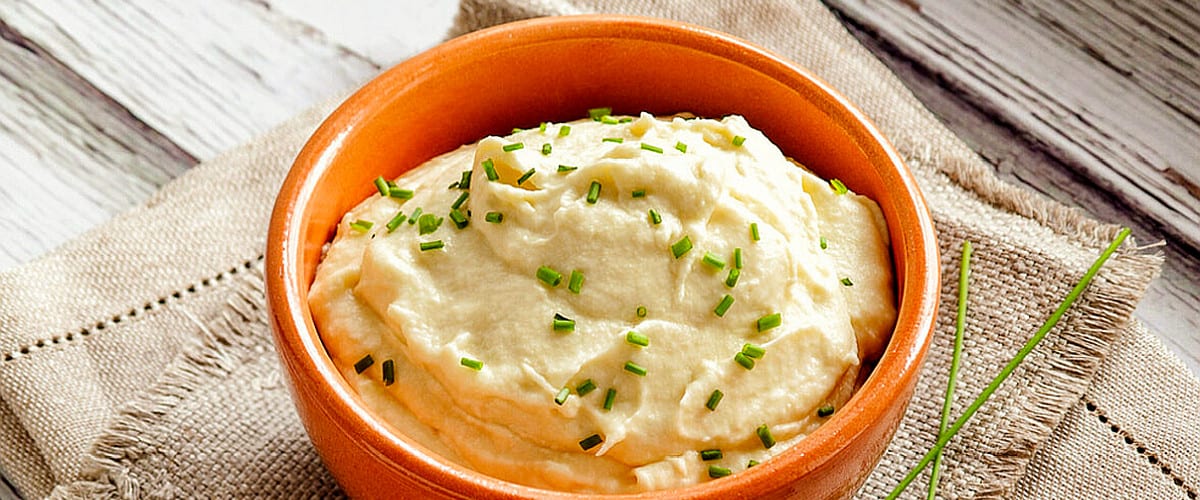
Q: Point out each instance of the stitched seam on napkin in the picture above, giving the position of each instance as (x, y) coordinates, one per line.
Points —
(1140, 447)
(133, 313)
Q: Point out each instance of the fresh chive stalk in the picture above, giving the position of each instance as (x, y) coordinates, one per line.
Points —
(711, 454)
(655, 218)
(737, 258)
(562, 169)
(681, 147)
(562, 323)
(381, 184)
(525, 176)
(362, 226)
(641, 311)
(473, 364)
(753, 351)
(652, 148)
(609, 120)
(431, 245)
(465, 182)
(713, 260)
(546, 149)
(716, 471)
(412, 219)
(508, 148)
(635, 368)
(714, 399)
(738, 140)
(593, 193)
(825, 411)
(549, 276)
(462, 198)
(460, 220)
(639, 193)
(824, 243)
(754, 231)
(562, 396)
(596, 113)
(769, 321)
(723, 305)
(575, 282)
(364, 363)
(847, 282)
(732, 279)
(838, 187)
(389, 372)
(764, 435)
(564, 130)
(396, 221)
(586, 387)
(637, 339)
(742, 359)
(681, 247)
(964, 273)
(609, 398)
(494, 217)
(400, 194)
(489, 169)
(617, 140)
(590, 442)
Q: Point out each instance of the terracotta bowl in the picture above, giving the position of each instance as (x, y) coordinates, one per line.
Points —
(555, 69)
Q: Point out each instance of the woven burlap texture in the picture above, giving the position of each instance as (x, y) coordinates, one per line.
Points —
(137, 360)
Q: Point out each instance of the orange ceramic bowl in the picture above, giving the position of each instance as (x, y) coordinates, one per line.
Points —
(555, 69)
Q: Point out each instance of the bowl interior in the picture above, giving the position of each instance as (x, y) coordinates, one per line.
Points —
(555, 70)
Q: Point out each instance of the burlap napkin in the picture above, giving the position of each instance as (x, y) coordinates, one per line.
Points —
(136, 360)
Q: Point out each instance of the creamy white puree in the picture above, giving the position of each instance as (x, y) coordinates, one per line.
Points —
(376, 293)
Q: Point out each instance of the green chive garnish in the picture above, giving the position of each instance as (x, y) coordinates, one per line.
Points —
(754, 231)
(769, 321)
(764, 435)
(737, 258)
(462, 198)
(847, 282)
(549, 276)
(712, 260)
(575, 283)
(593, 192)
(824, 243)
(753, 351)
(617, 140)
(641, 311)
(562, 396)
(361, 226)
(465, 182)
(489, 168)
(825, 411)
(431, 245)
(494, 217)
(364, 363)
(597, 113)
(564, 130)
(473, 364)
(546, 148)
(586, 387)
(609, 397)
(563, 324)
(746, 361)
(525, 176)
(681, 247)
(517, 130)
(508, 148)
(637, 339)
(400, 194)
(652, 148)
(714, 399)
(562, 169)
(590, 442)
(639, 193)
(428, 223)
(752, 463)
(382, 185)
(716, 471)
(609, 120)
(723, 306)
(655, 218)
(395, 222)
(681, 147)
(635, 368)
(960, 323)
(389, 372)
(460, 220)
(838, 187)
(542, 127)
(412, 219)
(732, 279)
(712, 454)
(738, 140)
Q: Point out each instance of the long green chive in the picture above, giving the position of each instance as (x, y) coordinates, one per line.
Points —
(994, 385)
(754, 231)
(641, 311)
(586, 387)
(489, 168)
(746, 361)
(546, 148)
(562, 396)
(465, 182)
(596, 113)
(764, 435)
(655, 218)
(847, 282)
(635, 368)
(525, 176)
(364, 363)
(617, 140)
(639, 193)
(575, 283)
(431, 245)
(494, 217)
(563, 324)
(753, 351)
(473, 364)
(737, 258)
(751, 463)
(637, 339)
(723, 305)
(738, 140)
(564, 130)
(382, 185)
(652, 148)
(716, 471)
(713, 260)
(681, 247)
(462, 198)
(400, 194)
(562, 169)
(838, 187)
(396, 221)
(549, 276)
(711, 454)
(412, 219)
(508, 148)
(825, 411)
(590, 442)
(460, 220)
(609, 120)
(609, 397)
(769, 321)
(714, 399)
(681, 147)
(428, 223)
(361, 226)
(389, 372)
(593, 192)
(732, 279)
(960, 323)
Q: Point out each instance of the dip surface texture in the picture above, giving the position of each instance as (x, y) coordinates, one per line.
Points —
(538, 380)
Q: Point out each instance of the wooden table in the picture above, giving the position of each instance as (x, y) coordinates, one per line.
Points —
(1095, 104)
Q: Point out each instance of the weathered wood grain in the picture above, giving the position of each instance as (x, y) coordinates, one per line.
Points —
(382, 31)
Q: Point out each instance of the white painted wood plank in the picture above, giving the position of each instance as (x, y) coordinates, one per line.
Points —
(383, 31)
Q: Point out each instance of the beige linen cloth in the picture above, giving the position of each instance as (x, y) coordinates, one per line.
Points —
(136, 361)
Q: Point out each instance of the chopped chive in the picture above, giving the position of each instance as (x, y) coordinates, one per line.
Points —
(396, 221)
(641, 311)
(609, 120)
(769, 321)
(462, 198)
(681, 247)
(547, 148)
(562, 396)
(593, 192)
(847, 282)
(732, 279)
(617, 140)
(711, 454)
(754, 231)
(460, 220)
(764, 435)
(428, 223)
(473, 364)
(753, 351)
(723, 306)
(738, 140)
(737, 258)
(652, 148)
(431, 245)
(625, 119)
(389, 372)
(655, 218)
(525, 176)
(838, 187)
(575, 283)
(564, 130)
(609, 397)
(562, 169)
(400, 194)
(586, 387)
(681, 147)
(453, 185)
(364, 363)
(635, 368)
(362, 226)
(716, 471)
(508, 148)
(563, 324)
(590, 442)
(489, 168)
(712, 260)
(516, 130)
(751, 463)
(465, 182)
(639, 193)
(714, 399)
(746, 361)
(549, 276)
(824, 243)
(637, 339)
(825, 411)
(412, 219)
(382, 185)
(494, 217)
(542, 127)
(596, 113)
